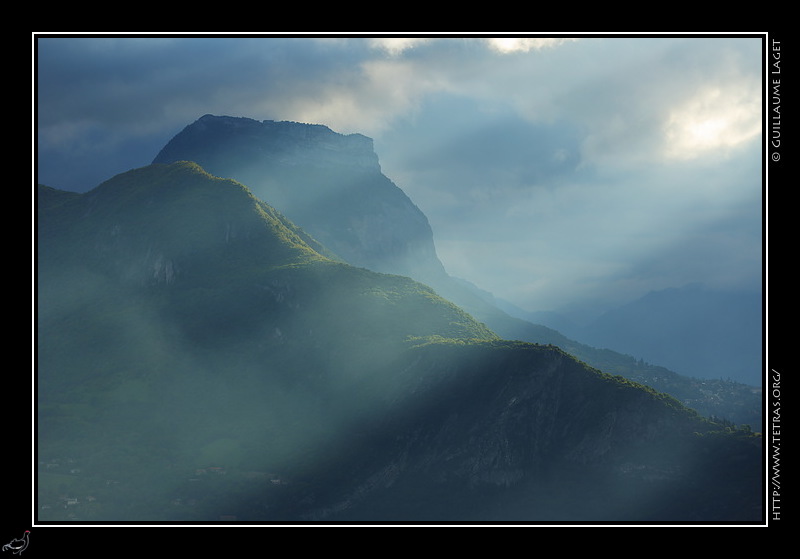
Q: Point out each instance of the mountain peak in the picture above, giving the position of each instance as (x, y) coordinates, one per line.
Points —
(177, 225)
(287, 142)
(328, 183)
(162, 222)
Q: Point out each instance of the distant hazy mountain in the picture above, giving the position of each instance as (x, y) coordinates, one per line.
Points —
(694, 330)
(332, 186)
(200, 357)
(717, 396)
(698, 331)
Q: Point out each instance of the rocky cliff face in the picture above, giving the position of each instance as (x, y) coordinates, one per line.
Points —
(329, 184)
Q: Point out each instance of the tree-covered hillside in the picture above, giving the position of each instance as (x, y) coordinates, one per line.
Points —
(199, 357)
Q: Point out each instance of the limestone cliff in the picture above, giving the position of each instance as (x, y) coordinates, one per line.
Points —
(329, 184)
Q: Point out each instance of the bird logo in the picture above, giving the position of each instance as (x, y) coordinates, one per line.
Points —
(17, 546)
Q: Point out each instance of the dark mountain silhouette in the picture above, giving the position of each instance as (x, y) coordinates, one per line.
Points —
(332, 186)
(200, 357)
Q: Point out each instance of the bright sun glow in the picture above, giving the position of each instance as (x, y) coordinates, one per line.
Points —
(711, 121)
(706, 132)
(524, 44)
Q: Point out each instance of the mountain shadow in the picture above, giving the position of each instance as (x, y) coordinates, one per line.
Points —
(201, 358)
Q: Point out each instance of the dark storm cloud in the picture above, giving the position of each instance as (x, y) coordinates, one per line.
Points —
(105, 105)
(123, 80)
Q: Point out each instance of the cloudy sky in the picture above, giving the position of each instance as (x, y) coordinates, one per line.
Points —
(558, 173)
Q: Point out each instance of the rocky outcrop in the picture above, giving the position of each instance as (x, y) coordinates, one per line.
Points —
(329, 184)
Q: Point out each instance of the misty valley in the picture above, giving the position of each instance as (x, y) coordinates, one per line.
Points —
(256, 328)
